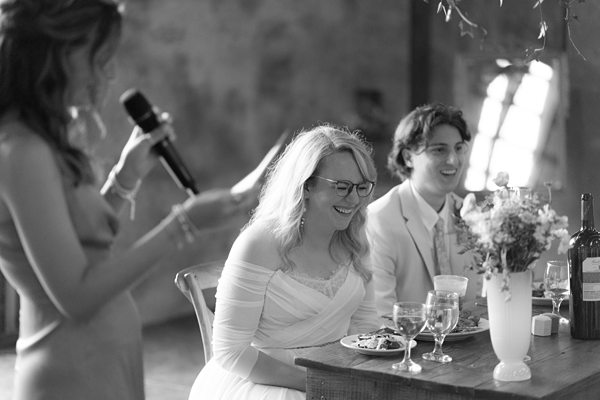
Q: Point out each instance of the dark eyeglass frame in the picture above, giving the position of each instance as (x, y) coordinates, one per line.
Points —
(345, 191)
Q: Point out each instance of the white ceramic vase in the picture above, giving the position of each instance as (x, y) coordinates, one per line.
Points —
(510, 325)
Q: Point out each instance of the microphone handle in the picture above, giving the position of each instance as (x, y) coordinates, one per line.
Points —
(141, 112)
(168, 156)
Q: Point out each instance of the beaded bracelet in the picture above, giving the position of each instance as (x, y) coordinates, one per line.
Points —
(189, 229)
(122, 192)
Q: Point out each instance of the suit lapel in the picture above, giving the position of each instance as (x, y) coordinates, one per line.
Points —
(410, 211)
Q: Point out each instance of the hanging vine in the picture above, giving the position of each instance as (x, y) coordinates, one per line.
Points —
(468, 27)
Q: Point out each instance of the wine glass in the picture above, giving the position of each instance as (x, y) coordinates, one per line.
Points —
(556, 284)
(442, 317)
(409, 319)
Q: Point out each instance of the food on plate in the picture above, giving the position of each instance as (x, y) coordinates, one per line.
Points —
(382, 339)
(467, 322)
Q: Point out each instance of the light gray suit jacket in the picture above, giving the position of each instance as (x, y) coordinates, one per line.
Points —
(401, 250)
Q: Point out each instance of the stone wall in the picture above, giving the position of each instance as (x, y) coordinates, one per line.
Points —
(234, 75)
(583, 118)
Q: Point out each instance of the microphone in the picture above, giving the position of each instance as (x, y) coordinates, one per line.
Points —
(140, 110)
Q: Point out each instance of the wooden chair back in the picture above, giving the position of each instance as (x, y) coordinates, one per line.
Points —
(191, 282)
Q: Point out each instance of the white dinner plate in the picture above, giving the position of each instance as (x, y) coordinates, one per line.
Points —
(351, 340)
(482, 326)
(536, 301)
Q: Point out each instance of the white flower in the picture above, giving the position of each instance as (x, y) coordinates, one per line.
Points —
(564, 236)
(501, 179)
(469, 205)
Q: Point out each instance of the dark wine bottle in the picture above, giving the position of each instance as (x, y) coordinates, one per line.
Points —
(584, 272)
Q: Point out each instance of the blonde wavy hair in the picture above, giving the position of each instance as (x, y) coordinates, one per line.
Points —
(282, 199)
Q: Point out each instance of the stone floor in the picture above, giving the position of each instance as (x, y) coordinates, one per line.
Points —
(172, 358)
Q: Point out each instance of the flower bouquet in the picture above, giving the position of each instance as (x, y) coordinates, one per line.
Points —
(506, 233)
(509, 230)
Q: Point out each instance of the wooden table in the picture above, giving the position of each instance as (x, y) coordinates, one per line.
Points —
(561, 368)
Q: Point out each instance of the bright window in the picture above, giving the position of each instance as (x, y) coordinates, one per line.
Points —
(511, 125)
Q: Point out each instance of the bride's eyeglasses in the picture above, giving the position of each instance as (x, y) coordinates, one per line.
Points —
(344, 188)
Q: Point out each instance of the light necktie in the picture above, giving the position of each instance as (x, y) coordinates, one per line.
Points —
(442, 262)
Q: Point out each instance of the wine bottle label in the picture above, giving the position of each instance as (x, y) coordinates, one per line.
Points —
(591, 279)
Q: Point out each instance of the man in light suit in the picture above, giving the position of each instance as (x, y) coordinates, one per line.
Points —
(428, 155)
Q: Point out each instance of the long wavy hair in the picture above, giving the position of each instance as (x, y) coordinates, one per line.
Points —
(36, 37)
(281, 202)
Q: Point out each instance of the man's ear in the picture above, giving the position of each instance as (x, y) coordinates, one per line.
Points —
(407, 157)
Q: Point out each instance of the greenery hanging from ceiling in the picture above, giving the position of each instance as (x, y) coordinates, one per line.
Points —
(468, 27)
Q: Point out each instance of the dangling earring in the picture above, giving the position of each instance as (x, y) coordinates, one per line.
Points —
(302, 219)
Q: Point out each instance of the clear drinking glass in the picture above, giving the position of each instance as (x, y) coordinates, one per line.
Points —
(452, 283)
(556, 284)
(442, 317)
(409, 319)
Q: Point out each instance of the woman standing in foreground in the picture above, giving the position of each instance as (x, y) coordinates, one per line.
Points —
(80, 332)
(297, 275)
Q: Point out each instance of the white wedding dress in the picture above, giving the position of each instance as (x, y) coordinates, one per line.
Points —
(259, 309)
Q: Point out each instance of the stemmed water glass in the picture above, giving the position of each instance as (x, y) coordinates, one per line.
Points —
(556, 284)
(409, 319)
(442, 317)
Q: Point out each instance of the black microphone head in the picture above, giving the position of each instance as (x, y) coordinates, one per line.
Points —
(140, 110)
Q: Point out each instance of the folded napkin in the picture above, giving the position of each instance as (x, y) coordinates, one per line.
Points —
(541, 325)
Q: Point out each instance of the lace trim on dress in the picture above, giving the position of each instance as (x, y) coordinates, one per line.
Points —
(327, 286)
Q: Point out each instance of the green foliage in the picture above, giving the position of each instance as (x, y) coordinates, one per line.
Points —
(468, 27)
